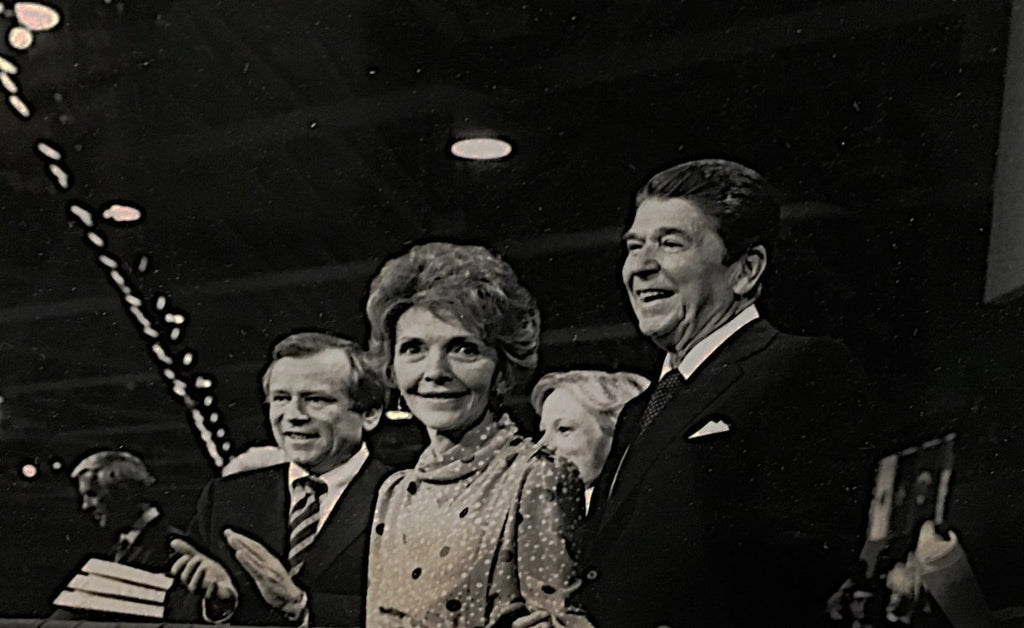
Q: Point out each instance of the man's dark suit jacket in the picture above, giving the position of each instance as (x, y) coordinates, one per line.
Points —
(751, 527)
(256, 503)
(151, 549)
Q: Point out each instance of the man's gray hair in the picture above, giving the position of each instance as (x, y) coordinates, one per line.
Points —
(114, 467)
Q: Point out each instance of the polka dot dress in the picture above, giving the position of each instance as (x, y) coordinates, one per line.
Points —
(487, 530)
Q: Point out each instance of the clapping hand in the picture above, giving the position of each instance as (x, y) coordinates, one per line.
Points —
(268, 573)
(198, 572)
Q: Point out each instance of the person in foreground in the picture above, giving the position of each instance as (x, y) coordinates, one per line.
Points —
(116, 487)
(287, 544)
(736, 488)
(483, 530)
(577, 412)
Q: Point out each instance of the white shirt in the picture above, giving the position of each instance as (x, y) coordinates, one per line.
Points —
(701, 351)
(699, 354)
(337, 480)
(128, 537)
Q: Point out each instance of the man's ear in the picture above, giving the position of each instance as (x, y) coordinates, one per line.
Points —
(371, 418)
(749, 268)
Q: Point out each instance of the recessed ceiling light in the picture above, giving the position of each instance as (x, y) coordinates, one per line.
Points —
(481, 148)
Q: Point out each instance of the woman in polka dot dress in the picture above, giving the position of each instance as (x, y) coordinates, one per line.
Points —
(483, 530)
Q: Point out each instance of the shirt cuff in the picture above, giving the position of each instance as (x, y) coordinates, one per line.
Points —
(297, 611)
(219, 611)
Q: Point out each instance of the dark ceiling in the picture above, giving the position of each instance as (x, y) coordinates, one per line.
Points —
(281, 150)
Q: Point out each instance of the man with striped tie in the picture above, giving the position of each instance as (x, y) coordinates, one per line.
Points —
(287, 544)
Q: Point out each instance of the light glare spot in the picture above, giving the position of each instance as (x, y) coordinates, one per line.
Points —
(107, 261)
(202, 382)
(96, 239)
(19, 105)
(174, 318)
(38, 17)
(481, 148)
(48, 151)
(139, 316)
(7, 66)
(186, 359)
(83, 215)
(63, 179)
(161, 355)
(121, 213)
(398, 415)
(161, 302)
(20, 38)
(8, 83)
(175, 334)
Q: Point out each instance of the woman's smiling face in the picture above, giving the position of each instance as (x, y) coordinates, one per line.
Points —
(443, 370)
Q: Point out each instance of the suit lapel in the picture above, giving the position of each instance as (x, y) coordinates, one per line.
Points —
(268, 510)
(349, 518)
(625, 431)
(685, 410)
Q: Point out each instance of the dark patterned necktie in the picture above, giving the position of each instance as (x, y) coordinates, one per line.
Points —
(303, 519)
(663, 393)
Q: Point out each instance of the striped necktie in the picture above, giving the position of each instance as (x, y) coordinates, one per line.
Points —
(303, 519)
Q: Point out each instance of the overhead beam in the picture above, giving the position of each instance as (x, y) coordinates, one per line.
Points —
(551, 338)
(822, 23)
(355, 271)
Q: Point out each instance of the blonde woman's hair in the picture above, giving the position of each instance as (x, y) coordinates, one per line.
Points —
(604, 393)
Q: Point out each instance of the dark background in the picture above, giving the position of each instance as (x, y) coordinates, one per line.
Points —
(281, 151)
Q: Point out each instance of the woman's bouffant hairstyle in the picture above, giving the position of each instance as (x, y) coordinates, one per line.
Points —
(602, 393)
(466, 283)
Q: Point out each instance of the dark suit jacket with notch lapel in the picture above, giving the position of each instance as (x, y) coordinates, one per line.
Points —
(256, 503)
(755, 526)
(151, 549)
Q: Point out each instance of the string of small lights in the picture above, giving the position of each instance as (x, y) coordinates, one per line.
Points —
(159, 325)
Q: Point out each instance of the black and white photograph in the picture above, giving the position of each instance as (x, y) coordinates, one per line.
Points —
(512, 313)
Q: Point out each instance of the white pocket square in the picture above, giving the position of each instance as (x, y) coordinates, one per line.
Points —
(711, 427)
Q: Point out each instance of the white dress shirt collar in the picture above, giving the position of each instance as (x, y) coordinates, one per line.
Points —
(337, 480)
(703, 349)
(128, 537)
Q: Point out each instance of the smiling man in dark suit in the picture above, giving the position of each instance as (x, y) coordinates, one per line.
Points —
(288, 544)
(733, 494)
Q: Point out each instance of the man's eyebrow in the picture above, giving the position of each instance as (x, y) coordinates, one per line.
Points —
(659, 232)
